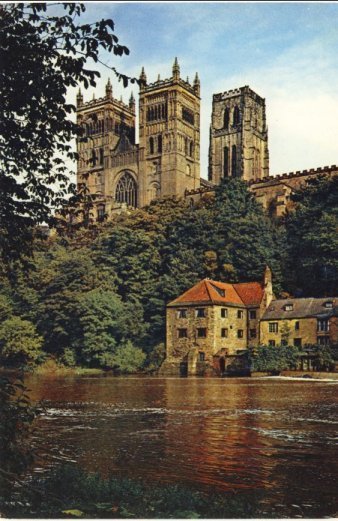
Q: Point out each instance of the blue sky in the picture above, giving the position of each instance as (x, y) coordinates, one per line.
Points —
(286, 52)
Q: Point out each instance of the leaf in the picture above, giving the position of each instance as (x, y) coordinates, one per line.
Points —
(73, 512)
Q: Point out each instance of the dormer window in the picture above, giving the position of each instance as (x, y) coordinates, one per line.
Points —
(328, 305)
(220, 291)
(288, 307)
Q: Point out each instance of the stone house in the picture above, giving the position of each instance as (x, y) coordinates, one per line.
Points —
(212, 324)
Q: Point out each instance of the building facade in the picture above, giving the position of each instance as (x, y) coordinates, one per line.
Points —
(238, 136)
(120, 173)
(210, 327)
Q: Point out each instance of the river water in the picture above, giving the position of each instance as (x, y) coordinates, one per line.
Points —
(269, 434)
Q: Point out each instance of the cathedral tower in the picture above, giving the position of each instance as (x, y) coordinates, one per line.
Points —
(109, 131)
(238, 136)
(169, 140)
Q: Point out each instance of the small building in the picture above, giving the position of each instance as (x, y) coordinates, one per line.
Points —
(210, 326)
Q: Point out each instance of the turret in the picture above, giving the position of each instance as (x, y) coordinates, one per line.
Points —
(109, 89)
(79, 98)
(197, 85)
(143, 79)
(176, 70)
(267, 284)
(132, 102)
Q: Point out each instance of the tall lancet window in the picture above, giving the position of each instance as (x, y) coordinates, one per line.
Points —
(126, 190)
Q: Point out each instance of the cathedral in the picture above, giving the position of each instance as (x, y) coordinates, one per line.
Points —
(123, 174)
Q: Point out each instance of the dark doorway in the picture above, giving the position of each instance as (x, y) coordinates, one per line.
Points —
(184, 369)
(222, 364)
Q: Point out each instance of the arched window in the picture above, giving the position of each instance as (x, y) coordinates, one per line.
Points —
(151, 145)
(236, 115)
(226, 162)
(159, 144)
(93, 158)
(101, 156)
(126, 190)
(226, 118)
(191, 149)
(101, 212)
(234, 161)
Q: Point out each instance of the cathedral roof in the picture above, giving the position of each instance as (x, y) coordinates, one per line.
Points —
(209, 291)
(123, 144)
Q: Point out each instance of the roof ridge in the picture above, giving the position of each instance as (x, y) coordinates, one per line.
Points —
(208, 291)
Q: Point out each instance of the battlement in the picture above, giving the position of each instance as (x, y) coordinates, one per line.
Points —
(292, 175)
(238, 92)
(168, 83)
(95, 103)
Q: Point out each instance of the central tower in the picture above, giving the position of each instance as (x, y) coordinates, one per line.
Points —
(169, 136)
(238, 136)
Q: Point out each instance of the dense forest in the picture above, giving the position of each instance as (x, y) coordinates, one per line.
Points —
(95, 295)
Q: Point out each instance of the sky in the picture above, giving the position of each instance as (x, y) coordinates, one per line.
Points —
(287, 52)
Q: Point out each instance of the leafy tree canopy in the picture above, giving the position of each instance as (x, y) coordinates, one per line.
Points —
(42, 54)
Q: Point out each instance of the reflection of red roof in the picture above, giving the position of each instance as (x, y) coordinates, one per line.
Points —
(212, 292)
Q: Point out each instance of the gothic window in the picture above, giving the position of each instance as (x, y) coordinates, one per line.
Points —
(188, 115)
(126, 190)
(234, 161)
(191, 150)
(226, 118)
(151, 145)
(226, 161)
(93, 158)
(101, 156)
(188, 170)
(159, 144)
(236, 115)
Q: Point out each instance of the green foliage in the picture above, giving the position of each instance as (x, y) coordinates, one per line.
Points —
(16, 416)
(155, 358)
(42, 54)
(313, 239)
(274, 359)
(127, 358)
(70, 492)
(19, 342)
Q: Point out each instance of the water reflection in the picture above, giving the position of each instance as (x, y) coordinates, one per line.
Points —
(261, 434)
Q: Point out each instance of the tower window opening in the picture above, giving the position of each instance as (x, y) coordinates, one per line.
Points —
(226, 118)
(188, 116)
(234, 161)
(126, 190)
(101, 156)
(226, 161)
(191, 149)
(151, 145)
(236, 116)
(159, 144)
(94, 158)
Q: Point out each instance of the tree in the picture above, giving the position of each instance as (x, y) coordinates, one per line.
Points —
(313, 240)
(42, 53)
(127, 358)
(19, 342)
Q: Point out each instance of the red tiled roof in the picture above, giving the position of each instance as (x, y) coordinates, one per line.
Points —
(250, 292)
(211, 291)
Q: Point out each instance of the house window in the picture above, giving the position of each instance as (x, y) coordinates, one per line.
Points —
(296, 326)
(224, 312)
(201, 332)
(201, 356)
(200, 312)
(182, 333)
(224, 332)
(240, 333)
(253, 333)
(288, 307)
(322, 325)
(182, 313)
(239, 313)
(323, 340)
(273, 327)
(252, 314)
(297, 342)
(271, 343)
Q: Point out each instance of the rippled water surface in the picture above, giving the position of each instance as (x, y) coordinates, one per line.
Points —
(268, 434)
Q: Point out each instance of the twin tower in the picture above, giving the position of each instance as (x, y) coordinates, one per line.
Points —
(166, 162)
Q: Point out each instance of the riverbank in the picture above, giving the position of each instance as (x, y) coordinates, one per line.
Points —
(311, 375)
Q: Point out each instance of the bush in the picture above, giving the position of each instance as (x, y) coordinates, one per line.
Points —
(127, 358)
(19, 342)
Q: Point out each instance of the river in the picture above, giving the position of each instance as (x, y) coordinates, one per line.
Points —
(267, 434)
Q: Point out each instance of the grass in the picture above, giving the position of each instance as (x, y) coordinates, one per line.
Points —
(51, 368)
(70, 492)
